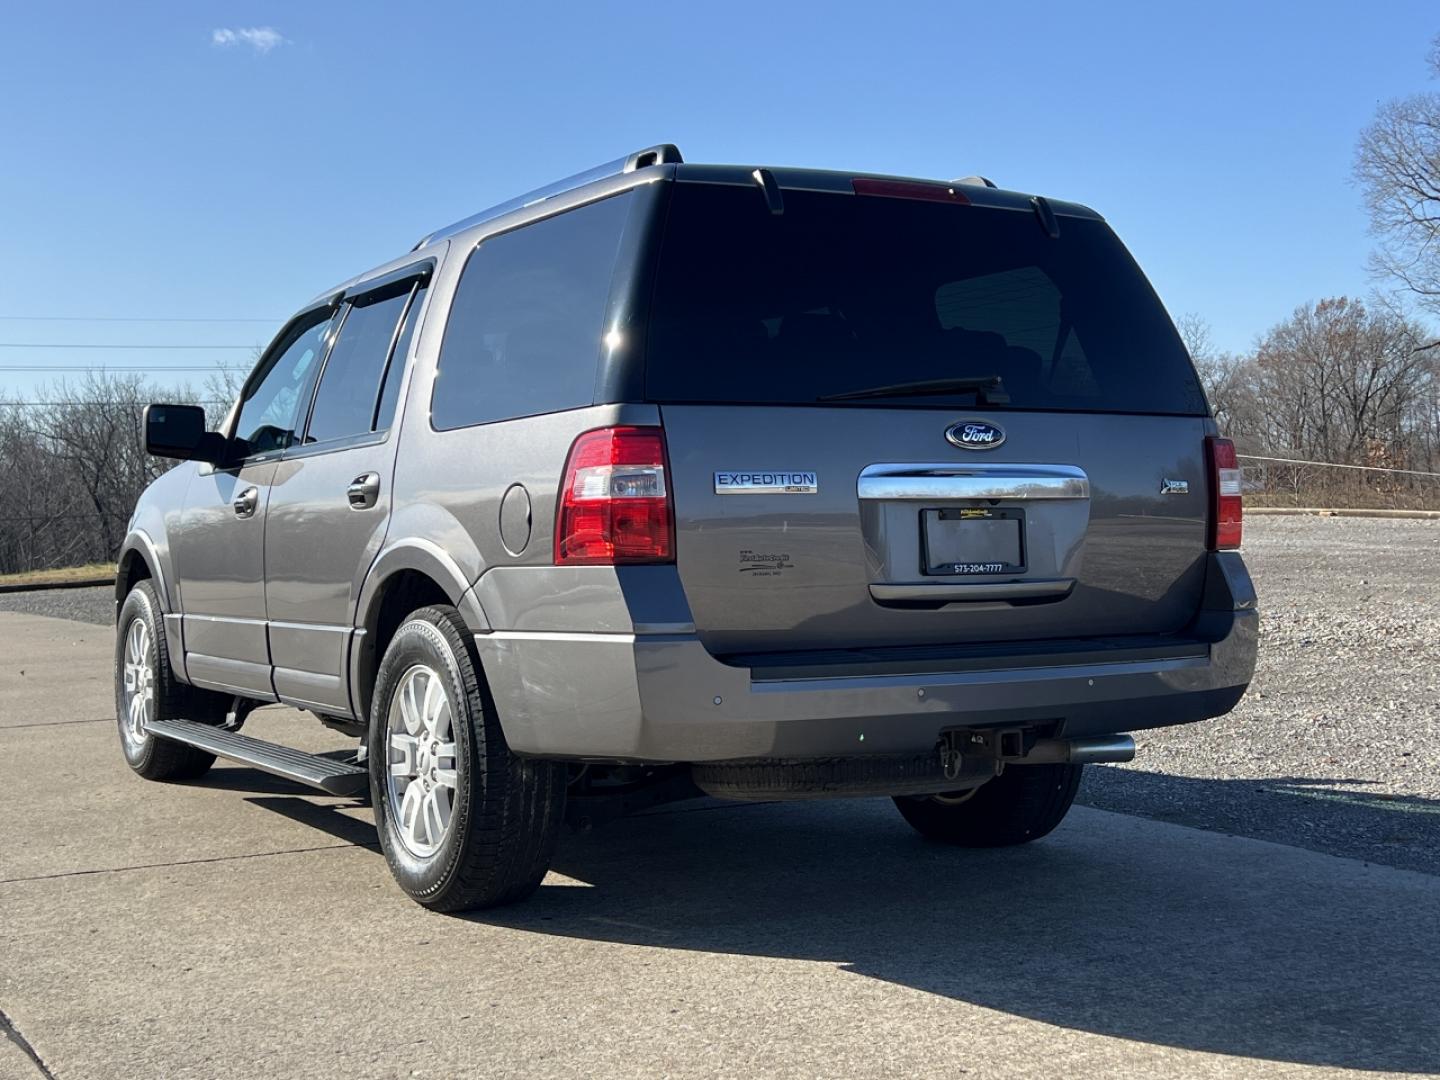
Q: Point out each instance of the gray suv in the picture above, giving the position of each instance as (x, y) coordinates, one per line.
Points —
(672, 479)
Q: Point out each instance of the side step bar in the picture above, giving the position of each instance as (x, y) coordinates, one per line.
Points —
(335, 777)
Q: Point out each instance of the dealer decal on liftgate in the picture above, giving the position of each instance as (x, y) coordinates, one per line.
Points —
(775, 482)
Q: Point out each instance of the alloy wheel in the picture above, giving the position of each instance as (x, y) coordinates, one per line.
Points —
(139, 677)
(423, 769)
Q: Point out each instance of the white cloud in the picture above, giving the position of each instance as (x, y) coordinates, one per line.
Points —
(260, 38)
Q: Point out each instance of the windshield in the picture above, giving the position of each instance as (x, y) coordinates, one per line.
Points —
(844, 293)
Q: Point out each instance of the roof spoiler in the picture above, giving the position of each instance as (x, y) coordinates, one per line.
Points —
(661, 154)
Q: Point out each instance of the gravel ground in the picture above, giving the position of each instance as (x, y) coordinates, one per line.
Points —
(83, 605)
(1336, 747)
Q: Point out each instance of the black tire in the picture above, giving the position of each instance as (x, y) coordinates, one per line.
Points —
(1021, 804)
(507, 810)
(151, 757)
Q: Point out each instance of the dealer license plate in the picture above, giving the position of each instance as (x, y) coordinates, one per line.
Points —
(972, 540)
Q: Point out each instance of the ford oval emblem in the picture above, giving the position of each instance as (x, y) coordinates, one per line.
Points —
(974, 435)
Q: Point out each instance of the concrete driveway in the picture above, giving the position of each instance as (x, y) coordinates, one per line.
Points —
(241, 927)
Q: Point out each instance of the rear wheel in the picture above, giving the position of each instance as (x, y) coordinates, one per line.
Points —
(463, 822)
(1021, 804)
(146, 689)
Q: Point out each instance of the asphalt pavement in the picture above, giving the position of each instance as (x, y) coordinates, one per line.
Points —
(240, 926)
(1337, 746)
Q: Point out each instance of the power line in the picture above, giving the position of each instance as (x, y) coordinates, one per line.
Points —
(84, 404)
(42, 368)
(102, 345)
(1337, 465)
(129, 319)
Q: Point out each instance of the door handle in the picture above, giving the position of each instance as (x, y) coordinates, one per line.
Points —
(246, 502)
(364, 491)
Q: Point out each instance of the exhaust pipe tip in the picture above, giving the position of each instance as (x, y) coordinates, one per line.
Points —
(1102, 749)
(1093, 750)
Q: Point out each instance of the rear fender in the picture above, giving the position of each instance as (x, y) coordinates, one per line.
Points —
(411, 554)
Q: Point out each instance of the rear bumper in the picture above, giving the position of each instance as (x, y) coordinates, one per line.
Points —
(663, 697)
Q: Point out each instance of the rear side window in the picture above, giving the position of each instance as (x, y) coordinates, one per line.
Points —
(527, 322)
(350, 383)
(842, 293)
(395, 373)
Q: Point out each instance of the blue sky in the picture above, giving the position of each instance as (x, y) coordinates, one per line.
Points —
(148, 168)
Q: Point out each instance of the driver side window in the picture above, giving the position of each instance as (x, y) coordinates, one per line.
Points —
(279, 391)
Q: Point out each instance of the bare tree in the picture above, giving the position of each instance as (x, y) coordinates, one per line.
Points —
(73, 469)
(1398, 165)
(1229, 383)
(1342, 382)
(222, 389)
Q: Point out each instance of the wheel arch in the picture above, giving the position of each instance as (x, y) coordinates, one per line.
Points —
(406, 576)
(139, 560)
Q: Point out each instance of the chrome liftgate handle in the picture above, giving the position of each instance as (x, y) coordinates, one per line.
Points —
(952, 481)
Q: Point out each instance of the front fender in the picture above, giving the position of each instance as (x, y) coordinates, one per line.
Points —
(148, 539)
(140, 545)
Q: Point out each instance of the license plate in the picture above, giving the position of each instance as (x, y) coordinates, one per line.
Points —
(972, 540)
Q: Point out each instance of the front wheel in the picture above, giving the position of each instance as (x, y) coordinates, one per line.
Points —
(463, 822)
(146, 689)
(1021, 804)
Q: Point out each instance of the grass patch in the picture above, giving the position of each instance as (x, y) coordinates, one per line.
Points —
(61, 576)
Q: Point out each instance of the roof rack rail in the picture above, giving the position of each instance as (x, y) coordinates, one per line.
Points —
(661, 154)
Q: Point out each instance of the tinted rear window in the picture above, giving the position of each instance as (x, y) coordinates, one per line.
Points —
(846, 292)
(526, 324)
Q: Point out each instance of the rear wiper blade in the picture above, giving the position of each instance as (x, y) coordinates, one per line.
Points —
(988, 390)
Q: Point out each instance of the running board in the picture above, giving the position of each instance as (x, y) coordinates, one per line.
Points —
(335, 777)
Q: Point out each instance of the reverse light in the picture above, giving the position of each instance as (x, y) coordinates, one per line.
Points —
(614, 504)
(1226, 509)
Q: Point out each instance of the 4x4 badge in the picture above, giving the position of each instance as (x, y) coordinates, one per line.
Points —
(974, 435)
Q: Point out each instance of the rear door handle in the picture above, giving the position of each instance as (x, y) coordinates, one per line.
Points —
(246, 502)
(364, 491)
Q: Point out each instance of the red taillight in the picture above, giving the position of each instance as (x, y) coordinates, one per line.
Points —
(1226, 512)
(614, 504)
(909, 189)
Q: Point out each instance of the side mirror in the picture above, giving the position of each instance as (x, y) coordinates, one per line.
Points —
(178, 431)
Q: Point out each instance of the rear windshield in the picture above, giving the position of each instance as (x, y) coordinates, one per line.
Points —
(843, 293)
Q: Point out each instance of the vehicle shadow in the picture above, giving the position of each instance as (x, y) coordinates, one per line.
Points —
(1114, 925)
(1350, 818)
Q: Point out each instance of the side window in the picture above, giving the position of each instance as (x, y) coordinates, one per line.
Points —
(525, 327)
(395, 371)
(350, 383)
(276, 396)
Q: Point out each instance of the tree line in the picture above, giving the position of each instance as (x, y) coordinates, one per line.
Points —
(1345, 380)
(72, 468)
